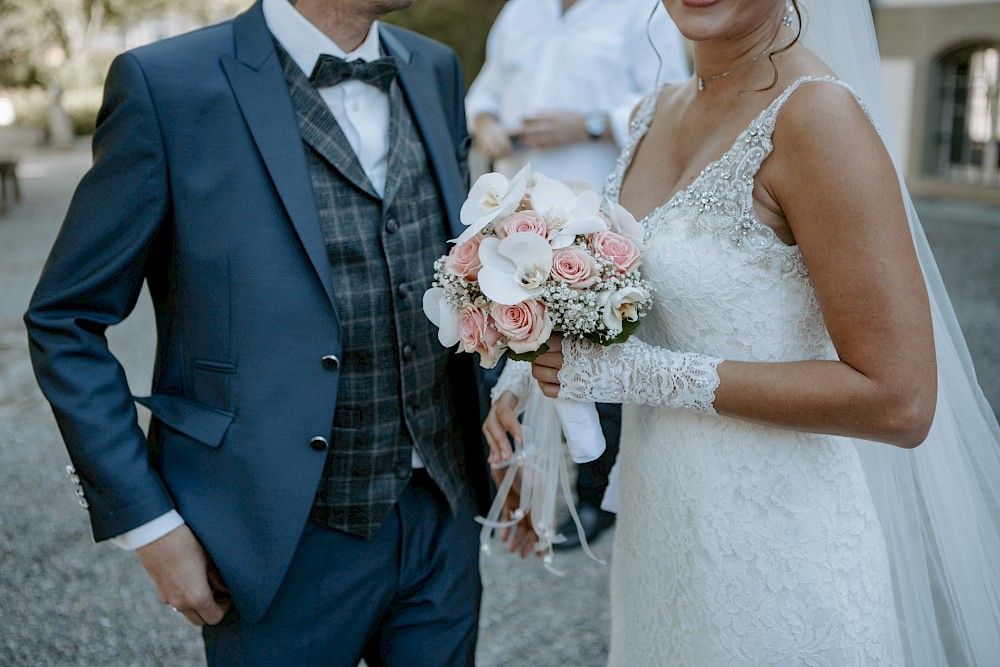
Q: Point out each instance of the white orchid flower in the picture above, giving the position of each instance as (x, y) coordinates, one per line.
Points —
(621, 305)
(515, 268)
(491, 197)
(567, 213)
(624, 223)
(441, 315)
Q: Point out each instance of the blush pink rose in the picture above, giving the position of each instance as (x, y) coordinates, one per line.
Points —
(526, 324)
(575, 267)
(477, 334)
(524, 221)
(615, 247)
(463, 259)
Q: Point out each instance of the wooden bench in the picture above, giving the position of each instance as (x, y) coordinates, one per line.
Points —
(8, 175)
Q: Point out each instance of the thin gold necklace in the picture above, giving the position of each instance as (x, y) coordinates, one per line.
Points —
(768, 48)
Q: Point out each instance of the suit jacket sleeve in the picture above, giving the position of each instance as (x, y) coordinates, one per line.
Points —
(92, 280)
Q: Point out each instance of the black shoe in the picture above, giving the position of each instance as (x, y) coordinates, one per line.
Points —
(594, 521)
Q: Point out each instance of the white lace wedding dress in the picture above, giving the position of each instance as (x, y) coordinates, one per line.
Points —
(736, 543)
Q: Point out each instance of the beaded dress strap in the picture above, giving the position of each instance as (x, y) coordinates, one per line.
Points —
(638, 127)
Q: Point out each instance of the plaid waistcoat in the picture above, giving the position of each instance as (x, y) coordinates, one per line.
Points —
(394, 390)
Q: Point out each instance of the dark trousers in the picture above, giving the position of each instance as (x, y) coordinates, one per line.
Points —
(407, 596)
(592, 477)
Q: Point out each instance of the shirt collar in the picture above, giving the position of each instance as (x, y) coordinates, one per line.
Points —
(304, 42)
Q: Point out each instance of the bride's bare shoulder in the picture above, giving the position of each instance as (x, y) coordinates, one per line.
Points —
(821, 111)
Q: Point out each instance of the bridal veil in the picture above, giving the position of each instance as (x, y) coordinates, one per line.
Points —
(939, 504)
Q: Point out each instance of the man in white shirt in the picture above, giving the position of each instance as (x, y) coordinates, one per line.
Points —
(309, 482)
(561, 79)
(558, 87)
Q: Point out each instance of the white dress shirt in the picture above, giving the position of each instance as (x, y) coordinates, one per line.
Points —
(361, 110)
(595, 57)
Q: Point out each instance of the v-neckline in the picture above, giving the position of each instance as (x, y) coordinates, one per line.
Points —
(637, 141)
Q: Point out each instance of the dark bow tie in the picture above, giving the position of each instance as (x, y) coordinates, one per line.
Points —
(331, 70)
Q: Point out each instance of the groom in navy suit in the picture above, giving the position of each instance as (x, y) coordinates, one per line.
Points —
(307, 488)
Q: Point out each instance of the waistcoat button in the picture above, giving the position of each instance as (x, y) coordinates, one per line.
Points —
(403, 470)
(391, 226)
(319, 443)
(331, 362)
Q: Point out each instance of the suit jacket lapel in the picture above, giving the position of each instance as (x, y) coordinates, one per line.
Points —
(418, 81)
(394, 174)
(321, 130)
(262, 94)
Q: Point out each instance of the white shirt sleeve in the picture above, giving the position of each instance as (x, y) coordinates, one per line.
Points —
(484, 93)
(645, 69)
(148, 532)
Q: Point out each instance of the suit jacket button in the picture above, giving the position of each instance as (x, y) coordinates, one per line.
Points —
(403, 470)
(407, 352)
(391, 226)
(319, 443)
(331, 362)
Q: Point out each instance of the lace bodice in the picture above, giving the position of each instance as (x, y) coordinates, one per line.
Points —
(737, 543)
(729, 286)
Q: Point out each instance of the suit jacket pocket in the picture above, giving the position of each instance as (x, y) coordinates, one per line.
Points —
(211, 383)
(205, 424)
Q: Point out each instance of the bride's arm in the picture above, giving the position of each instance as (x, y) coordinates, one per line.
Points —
(835, 184)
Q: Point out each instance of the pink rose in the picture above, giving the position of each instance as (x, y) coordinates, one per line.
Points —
(575, 267)
(463, 259)
(477, 334)
(524, 221)
(615, 247)
(526, 324)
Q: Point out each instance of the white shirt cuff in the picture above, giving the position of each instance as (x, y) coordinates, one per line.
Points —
(148, 532)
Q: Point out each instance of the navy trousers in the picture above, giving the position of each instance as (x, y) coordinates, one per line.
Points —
(592, 478)
(408, 596)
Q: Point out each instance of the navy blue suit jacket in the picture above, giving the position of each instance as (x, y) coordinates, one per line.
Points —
(200, 187)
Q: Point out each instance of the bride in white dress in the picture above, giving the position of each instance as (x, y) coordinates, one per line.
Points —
(758, 522)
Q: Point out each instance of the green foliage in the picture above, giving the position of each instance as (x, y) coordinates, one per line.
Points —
(82, 105)
(71, 42)
(461, 24)
(528, 356)
(31, 107)
(628, 328)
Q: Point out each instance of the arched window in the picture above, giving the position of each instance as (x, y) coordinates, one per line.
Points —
(965, 129)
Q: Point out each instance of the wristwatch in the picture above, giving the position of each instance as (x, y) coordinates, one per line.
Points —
(595, 123)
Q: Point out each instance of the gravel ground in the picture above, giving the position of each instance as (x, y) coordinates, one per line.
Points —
(66, 602)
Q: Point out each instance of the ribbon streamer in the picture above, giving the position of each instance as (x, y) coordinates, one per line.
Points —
(539, 466)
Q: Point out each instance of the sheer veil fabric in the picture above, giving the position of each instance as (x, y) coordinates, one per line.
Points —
(939, 504)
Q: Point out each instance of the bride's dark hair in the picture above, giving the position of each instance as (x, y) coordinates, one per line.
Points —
(798, 34)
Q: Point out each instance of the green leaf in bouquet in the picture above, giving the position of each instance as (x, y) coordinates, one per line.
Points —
(628, 328)
(528, 356)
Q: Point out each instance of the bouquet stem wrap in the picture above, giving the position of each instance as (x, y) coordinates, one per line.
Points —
(582, 428)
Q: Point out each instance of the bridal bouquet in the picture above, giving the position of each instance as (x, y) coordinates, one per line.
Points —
(539, 256)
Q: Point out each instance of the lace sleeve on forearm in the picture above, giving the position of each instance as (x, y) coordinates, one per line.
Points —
(636, 372)
(514, 378)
